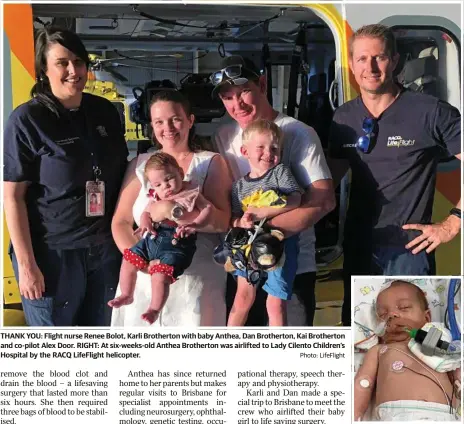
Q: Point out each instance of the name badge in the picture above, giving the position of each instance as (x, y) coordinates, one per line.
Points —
(94, 198)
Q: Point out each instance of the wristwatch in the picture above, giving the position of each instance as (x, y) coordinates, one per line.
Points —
(455, 212)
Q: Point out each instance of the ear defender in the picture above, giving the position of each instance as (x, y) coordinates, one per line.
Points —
(267, 249)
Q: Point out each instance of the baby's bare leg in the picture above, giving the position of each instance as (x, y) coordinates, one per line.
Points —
(277, 311)
(243, 301)
(127, 279)
(159, 294)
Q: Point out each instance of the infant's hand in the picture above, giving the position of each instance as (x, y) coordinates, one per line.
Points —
(146, 226)
(184, 231)
(246, 221)
(457, 388)
(144, 231)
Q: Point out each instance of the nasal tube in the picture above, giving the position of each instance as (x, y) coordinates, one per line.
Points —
(381, 328)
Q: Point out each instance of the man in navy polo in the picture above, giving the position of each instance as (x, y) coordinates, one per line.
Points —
(392, 140)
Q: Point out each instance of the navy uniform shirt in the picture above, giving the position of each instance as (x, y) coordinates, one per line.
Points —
(394, 184)
(53, 154)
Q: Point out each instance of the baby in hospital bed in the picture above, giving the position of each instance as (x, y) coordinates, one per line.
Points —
(402, 386)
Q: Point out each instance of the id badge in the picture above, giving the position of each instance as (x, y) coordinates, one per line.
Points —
(94, 198)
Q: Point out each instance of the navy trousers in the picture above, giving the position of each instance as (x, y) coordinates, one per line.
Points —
(78, 284)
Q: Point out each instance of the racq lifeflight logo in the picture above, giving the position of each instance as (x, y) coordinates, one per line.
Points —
(397, 141)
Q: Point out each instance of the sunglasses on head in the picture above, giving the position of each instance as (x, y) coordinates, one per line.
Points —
(234, 72)
(363, 143)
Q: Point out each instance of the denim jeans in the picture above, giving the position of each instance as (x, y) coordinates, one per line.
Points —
(179, 256)
(78, 285)
(382, 260)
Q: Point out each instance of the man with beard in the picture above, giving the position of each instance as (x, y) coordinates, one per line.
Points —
(406, 389)
(392, 139)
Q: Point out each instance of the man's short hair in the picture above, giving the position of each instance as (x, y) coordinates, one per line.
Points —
(420, 294)
(262, 126)
(376, 31)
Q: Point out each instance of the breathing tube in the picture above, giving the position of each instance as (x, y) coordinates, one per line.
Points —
(450, 312)
(430, 340)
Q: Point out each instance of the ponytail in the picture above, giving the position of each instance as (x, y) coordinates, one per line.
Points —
(42, 92)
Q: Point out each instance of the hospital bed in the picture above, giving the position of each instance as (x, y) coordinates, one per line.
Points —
(364, 293)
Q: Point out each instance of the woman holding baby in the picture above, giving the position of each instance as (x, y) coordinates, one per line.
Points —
(197, 297)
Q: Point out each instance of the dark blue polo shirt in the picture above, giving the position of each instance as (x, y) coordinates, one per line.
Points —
(394, 184)
(54, 154)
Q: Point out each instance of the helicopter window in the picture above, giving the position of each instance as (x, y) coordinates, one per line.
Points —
(429, 57)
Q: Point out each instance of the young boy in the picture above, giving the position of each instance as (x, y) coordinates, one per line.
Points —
(404, 388)
(176, 209)
(262, 146)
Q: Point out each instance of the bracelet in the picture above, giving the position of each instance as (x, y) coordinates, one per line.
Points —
(455, 212)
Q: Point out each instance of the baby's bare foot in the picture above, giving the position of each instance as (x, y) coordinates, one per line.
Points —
(150, 316)
(124, 299)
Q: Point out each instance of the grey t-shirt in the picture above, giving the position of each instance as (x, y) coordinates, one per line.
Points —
(279, 179)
